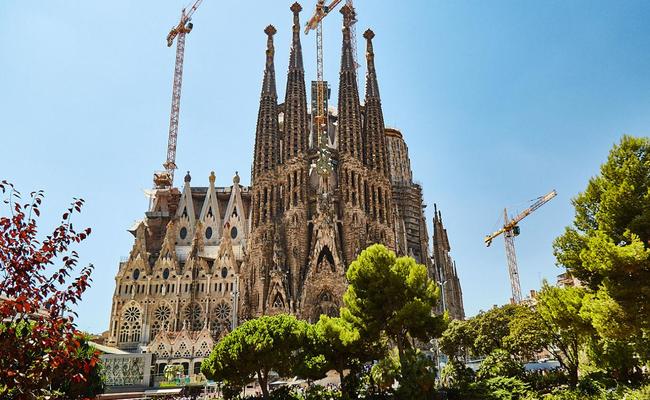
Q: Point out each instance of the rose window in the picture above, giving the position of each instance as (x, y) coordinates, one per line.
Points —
(132, 314)
(193, 317)
(162, 313)
(222, 311)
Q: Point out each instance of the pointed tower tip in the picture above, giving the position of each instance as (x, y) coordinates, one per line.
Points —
(188, 177)
(270, 30)
(369, 34)
(345, 9)
(212, 177)
(296, 7)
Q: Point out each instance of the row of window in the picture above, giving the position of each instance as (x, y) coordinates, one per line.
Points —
(128, 289)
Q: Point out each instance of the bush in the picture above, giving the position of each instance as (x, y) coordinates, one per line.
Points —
(284, 393)
(643, 393)
(417, 377)
(504, 388)
(317, 392)
(499, 363)
(455, 375)
(547, 380)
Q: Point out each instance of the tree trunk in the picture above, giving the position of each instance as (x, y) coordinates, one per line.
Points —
(262, 377)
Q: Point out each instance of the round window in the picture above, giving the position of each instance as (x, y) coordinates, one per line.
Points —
(136, 274)
(208, 232)
(233, 232)
(166, 273)
(224, 272)
(183, 232)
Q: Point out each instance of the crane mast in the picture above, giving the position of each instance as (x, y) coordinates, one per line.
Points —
(316, 23)
(509, 230)
(165, 178)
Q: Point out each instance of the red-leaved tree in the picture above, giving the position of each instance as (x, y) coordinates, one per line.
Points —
(40, 347)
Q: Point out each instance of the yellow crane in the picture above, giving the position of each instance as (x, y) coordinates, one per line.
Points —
(316, 23)
(511, 229)
(164, 179)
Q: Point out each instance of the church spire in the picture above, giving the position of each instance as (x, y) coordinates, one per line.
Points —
(374, 136)
(266, 136)
(295, 103)
(349, 107)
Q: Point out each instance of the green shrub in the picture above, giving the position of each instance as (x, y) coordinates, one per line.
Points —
(455, 375)
(546, 381)
(317, 392)
(499, 363)
(504, 388)
(284, 393)
(642, 393)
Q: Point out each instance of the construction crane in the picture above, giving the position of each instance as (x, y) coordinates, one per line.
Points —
(165, 178)
(510, 230)
(316, 23)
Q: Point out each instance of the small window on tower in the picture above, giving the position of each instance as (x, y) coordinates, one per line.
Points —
(224, 272)
(136, 274)
(166, 273)
(183, 233)
(233, 232)
(208, 232)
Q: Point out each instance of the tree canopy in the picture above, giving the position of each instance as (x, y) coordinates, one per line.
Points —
(43, 354)
(608, 245)
(255, 348)
(377, 275)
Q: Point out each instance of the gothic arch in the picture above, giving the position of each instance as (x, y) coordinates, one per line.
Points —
(193, 317)
(325, 254)
(131, 327)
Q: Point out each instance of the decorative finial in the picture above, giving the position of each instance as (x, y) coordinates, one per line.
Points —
(296, 7)
(369, 34)
(188, 178)
(212, 177)
(235, 179)
(270, 30)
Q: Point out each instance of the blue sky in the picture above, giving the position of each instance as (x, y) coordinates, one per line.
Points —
(499, 103)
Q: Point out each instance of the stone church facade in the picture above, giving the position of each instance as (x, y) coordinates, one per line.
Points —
(206, 258)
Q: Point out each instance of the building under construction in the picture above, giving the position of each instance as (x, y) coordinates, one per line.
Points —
(207, 257)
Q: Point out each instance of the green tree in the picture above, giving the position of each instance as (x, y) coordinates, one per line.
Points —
(565, 327)
(607, 247)
(492, 327)
(527, 334)
(341, 344)
(255, 348)
(392, 296)
(499, 363)
(458, 339)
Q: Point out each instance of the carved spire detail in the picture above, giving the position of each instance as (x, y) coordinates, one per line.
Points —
(266, 137)
(349, 107)
(295, 103)
(374, 130)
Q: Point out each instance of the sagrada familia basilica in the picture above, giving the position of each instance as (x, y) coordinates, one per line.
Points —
(206, 258)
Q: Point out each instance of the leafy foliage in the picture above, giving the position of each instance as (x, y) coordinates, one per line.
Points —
(458, 339)
(455, 375)
(43, 353)
(499, 363)
(492, 327)
(566, 328)
(607, 247)
(504, 388)
(377, 275)
(256, 348)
